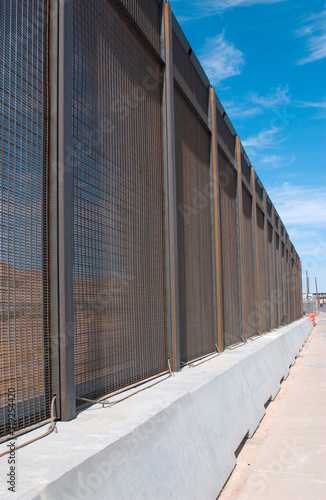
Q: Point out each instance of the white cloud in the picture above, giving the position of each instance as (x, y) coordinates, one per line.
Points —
(318, 105)
(264, 139)
(302, 210)
(315, 33)
(300, 205)
(219, 5)
(221, 59)
(241, 110)
(275, 161)
(280, 97)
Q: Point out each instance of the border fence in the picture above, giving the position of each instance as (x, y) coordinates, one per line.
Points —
(135, 235)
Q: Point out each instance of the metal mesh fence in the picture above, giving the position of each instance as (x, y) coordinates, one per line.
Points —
(146, 15)
(195, 273)
(262, 272)
(229, 252)
(245, 169)
(271, 278)
(126, 184)
(24, 286)
(251, 326)
(225, 137)
(284, 281)
(189, 80)
(120, 330)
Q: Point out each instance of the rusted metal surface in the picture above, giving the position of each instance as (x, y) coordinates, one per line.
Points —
(216, 225)
(240, 240)
(171, 240)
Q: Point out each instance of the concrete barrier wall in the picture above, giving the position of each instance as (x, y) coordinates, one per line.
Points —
(176, 440)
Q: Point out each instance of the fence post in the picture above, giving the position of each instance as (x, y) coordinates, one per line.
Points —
(255, 239)
(53, 203)
(170, 192)
(216, 233)
(65, 214)
(268, 278)
(274, 270)
(240, 239)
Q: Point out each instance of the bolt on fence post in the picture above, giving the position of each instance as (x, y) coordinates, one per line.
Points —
(255, 245)
(171, 243)
(65, 214)
(215, 210)
(240, 237)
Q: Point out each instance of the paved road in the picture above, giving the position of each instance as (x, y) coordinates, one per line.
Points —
(286, 458)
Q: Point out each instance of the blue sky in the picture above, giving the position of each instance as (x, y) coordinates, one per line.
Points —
(267, 62)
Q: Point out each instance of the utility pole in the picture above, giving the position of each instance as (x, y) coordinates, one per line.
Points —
(317, 296)
(307, 281)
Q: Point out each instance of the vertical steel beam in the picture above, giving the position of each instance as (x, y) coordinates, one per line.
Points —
(281, 298)
(255, 240)
(53, 203)
(275, 294)
(240, 239)
(300, 288)
(216, 232)
(65, 214)
(170, 192)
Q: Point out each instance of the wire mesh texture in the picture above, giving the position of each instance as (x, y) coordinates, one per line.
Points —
(271, 278)
(121, 207)
(278, 283)
(119, 288)
(250, 304)
(224, 135)
(195, 260)
(24, 282)
(187, 77)
(147, 16)
(229, 251)
(262, 272)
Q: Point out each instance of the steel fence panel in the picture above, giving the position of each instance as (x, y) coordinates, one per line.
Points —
(24, 201)
(278, 287)
(188, 79)
(251, 326)
(119, 291)
(271, 277)
(284, 280)
(229, 251)
(262, 271)
(147, 15)
(225, 138)
(195, 264)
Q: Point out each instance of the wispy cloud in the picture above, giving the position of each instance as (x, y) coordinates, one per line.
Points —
(220, 5)
(263, 139)
(314, 30)
(300, 205)
(318, 105)
(277, 98)
(253, 104)
(241, 110)
(302, 210)
(273, 161)
(221, 59)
